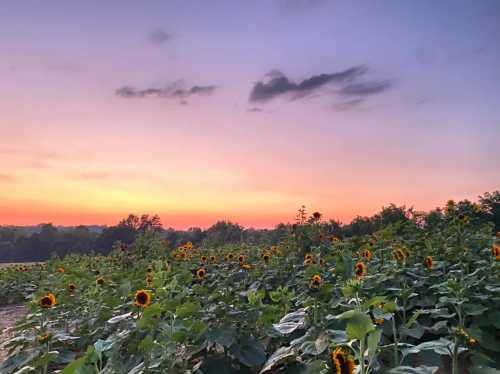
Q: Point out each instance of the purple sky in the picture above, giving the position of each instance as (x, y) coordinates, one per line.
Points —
(244, 110)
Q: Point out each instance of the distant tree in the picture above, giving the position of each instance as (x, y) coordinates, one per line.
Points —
(490, 206)
(223, 232)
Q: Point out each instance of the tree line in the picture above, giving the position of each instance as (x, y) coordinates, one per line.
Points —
(17, 245)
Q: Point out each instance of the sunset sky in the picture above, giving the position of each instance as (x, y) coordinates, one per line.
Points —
(206, 110)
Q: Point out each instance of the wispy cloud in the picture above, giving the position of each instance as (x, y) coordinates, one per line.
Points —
(366, 88)
(175, 90)
(159, 37)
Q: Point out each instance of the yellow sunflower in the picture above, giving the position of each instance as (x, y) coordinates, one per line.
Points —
(496, 251)
(71, 287)
(367, 254)
(428, 262)
(462, 218)
(200, 273)
(360, 270)
(315, 281)
(44, 338)
(48, 301)
(213, 259)
(99, 281)
(241, 259)
(143, 298)
(60, 269)
(203, 259)
(266, 258)
(342, 363)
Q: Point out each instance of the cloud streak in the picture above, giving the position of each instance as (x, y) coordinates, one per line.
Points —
(175, 90)
(278, 84)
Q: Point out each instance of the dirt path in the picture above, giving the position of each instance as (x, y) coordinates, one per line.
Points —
(8, 317)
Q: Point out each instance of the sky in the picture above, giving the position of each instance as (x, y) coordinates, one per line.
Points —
(199, 111)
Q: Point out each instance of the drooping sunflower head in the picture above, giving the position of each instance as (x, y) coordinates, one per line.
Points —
(44, 338)
(99, 281)
(366, 254)
(142, 298)
(342, 362)
(200, 273)
(266, 258)
(360, 270)
(496, 251)
(71, 287)
(60, 269)
(428, 262)
(48, 301)
(315, 281)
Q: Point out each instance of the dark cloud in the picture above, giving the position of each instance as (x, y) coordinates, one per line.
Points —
(278, 84)
(159, 36)
(365, 88)
(174, 90)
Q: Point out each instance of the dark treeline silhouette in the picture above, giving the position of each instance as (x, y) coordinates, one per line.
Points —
(29, 244)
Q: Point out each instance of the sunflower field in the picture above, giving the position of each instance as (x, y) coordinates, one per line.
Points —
(411, 298)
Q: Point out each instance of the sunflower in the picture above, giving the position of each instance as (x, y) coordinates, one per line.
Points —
(334, 239)
(213, 259)
(476, 208)
(360, 270)
(472, 341)
(203, 259)
(149, 280)
(60, 269)
(428, 262)
(307, 262)
(44, 338)
(99, 281)
(230, 256)
(200, 273)
(308, 257)
(183, 255)
(241, 259)
(321, 237)
(496, 251)
(246, 266)
(462, 218)
(124, 247)
(266, 258)
(366, 254)
(71, 287)
(379, 321)
(498, 234)
(315, 281)
(400, 254)
(48, 301)
(149, 269)
(342, 363)
(142, 298)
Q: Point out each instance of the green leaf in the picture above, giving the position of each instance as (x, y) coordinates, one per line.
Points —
(281, 354)
(249, 351)
(358, 324)
(187, 309)
(222, 336)
(373, 340)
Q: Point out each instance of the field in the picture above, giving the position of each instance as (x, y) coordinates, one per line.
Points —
(415, 297)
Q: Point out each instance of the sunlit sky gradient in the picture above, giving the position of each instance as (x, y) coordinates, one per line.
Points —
(75, 151)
